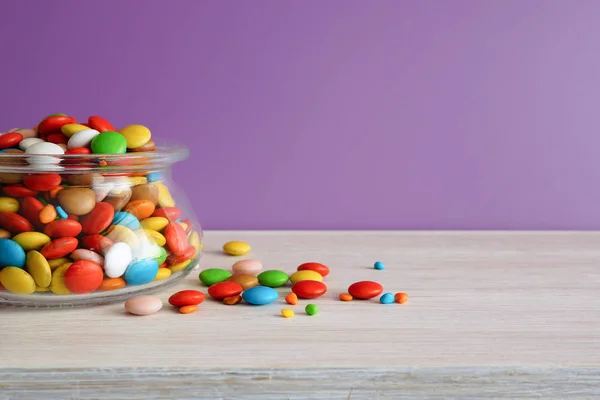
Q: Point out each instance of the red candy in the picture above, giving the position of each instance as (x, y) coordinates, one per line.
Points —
(83, 276)
(14, 223)
(180, 257)
(59, 247)
(96, 242)
(170, 213)
(31, 208)
(309, 289)
(63, 228)
(54, 123)
(176, 238)
(365, 290)
(187, 298)
(10, 140)
(18, 191)
(98, 219)
(57, 138)
(224, 289)
(79, 150)
(313, 266)
(42, 182)
(100, 124)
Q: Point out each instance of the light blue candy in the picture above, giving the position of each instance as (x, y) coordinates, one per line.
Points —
(126, 219)
(11, 254)
(260, 295)
(379, 265)
(61, 213)
(141, 272)
(387, 298)
(154, 177)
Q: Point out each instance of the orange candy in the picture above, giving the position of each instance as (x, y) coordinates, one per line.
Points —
(292, 299)
(112, 284)
(188, 309)
(231, 300)
(345, 297)
(401, 298)
(141, 209)
(48, 214)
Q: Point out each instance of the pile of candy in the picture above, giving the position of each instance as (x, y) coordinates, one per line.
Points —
(247, 282)
(73, 232)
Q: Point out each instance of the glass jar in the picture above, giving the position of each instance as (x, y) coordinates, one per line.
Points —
(84, 229)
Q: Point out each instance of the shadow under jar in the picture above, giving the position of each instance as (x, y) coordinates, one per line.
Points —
(85, 229)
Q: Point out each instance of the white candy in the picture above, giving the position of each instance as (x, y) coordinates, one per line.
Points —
(26, 143)
(117, 259)
(82, 138)
(44, 161)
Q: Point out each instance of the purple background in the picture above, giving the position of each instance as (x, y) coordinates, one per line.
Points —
(462, 114)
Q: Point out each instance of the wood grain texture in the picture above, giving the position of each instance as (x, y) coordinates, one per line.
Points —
(508, 309)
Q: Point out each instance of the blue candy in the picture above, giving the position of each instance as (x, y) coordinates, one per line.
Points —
(387, 298)
(126, 219)
(260, 295)
(379, 265)
(141, 272)
(61, 213)
(154, 177)
(11, 254)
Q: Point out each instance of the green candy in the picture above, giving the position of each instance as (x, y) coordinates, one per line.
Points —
(311, 309)
(162, 256)
(109, 143)
(214, 275)
(273, 278)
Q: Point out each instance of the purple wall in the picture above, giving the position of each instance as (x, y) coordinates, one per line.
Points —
(462, 114)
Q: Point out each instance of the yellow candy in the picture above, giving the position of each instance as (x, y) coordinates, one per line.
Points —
(155, 223)
(31, 240)
(236, 248)
(136, 135)
(305, 276)
(180, 266)
(57, 262)
(71, 129)
(17, 280)
(41, 289)
(137, 180)
(157, 237)
(57, 286)
(9, 204)
(194, 239)
(164, 197)
(38, 267)
(120, 233)
(287, 313)
(163, 273)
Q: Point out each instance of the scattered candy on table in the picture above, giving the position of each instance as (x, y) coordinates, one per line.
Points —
(292, 299)
(143, 305)
(365, 290)
(379, 265)
(386, 298)
(236, 248)
(188, 309)
(311, 309)
(287, 313)
(401, 298)
(345, 297)
(273, 278)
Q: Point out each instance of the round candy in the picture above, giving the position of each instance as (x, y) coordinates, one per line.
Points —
(57, 285)
(10, 139)
(47, 214)
(309, 289)
(287, 313)
(109, 142)
(305, 276)
(260, 295)
(136, 135)
(63, 228)
(82, 138)
(247, 267)
(236, 248)
(59, 247)
(83, 276)
(84, 254)
(100, 124)
(9, 204)
(211, 276)
(31, 208)
(16, 280)
(38, 268)
(386, 298)
(188, 309)
(143, 305)
(162, 255)
(11, 254)
(273, 278)
(116, 260)
(112, 284)
(77, 200)
(18, 191)
(31, 240)
(98, 219)
(186, 298)
(155, 223)
(244, 280)
(42, 182)
(40, 158)
(401, 298)
(311, 309)
(96, 242)
(70, 129)
(126, 219)
(25, 143)
(292, 299)
(54, 123)
(323, 270)
(176, 238)
(14, 222)
(365, 290)
(141, 209)
(141, 272)
(379, 265)
(221, 290)
(230, 301)
(163, 273)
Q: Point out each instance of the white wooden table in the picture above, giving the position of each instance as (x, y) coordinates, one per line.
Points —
(490, 315)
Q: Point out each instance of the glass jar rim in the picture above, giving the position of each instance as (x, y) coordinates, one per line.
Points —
(160, 159)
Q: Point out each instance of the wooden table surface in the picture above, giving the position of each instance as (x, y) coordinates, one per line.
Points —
(490, 315)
